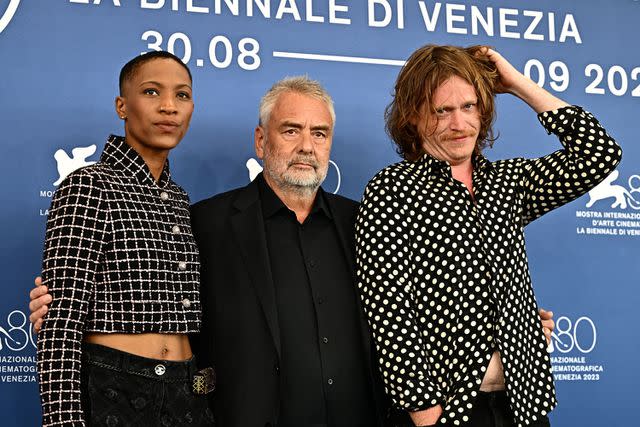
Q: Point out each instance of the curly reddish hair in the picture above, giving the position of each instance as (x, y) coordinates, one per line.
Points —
(425, 70)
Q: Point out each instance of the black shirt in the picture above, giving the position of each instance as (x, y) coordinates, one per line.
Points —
(324, 379)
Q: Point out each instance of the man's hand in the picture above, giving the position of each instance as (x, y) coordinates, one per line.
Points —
(426, 417)
(548, 325)
(514, 82)
(509, 78)
(40, 298)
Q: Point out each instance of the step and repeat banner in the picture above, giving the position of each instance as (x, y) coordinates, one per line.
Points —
(58, 80)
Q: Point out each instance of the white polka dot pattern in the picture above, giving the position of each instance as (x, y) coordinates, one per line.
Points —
(445, 281)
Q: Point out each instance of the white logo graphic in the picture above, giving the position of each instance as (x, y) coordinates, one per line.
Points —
(622, 196)
(8, 14)
(78, 159)
(568, 335)
(18, 334)
(255, 168)
(572, 342)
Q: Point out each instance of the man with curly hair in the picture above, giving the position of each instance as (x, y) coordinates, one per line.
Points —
(442, 266)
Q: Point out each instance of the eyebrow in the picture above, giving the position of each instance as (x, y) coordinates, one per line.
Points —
(465, 102)
(297, 125)
(290, 124)
(181, 85)
(321, 127)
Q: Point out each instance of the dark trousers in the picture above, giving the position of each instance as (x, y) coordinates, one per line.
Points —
(121, 389)
(489, 410)
(492, 410)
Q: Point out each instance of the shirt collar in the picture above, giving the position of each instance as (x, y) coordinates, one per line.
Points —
(432, 163)
(271, 203)
(121, 155)
(480, 163)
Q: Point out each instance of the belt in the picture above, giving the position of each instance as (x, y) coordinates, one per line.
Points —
(203, 381)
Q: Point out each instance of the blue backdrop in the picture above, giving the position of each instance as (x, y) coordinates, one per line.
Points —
(58, 80)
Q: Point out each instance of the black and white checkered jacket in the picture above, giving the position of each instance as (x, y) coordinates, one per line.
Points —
(119, 257)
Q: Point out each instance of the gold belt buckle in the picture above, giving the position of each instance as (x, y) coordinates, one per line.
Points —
(204, 381)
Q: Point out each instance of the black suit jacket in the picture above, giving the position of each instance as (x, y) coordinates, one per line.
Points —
(240, 334)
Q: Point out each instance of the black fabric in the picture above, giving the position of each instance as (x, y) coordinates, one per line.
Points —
(492, 410)
(120, 389)
(322, 370)
(241, 334)
(489, 410)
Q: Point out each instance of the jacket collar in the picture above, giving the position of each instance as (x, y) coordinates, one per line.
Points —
(120, 155)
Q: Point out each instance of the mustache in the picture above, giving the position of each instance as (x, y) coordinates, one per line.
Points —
(455, 135)
(310, 160)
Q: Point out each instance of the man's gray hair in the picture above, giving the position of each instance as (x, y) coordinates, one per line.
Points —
(298, 84)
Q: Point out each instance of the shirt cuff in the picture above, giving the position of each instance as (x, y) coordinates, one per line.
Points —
(560, 121)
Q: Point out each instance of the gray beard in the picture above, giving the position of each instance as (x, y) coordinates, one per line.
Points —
(292, 184)
(302, 187)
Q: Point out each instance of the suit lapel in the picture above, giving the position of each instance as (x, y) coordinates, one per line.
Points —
(248, 226)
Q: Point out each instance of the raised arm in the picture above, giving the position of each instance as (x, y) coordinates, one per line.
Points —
(588, 156)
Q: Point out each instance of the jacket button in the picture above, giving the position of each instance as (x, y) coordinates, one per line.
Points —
(277, 369)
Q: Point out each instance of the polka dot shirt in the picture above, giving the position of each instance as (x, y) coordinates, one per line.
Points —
(445, 280)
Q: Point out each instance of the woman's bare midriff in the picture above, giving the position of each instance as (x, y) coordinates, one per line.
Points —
(174, 347)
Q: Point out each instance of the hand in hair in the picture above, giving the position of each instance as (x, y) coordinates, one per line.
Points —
(512, 81)
(508, 78)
